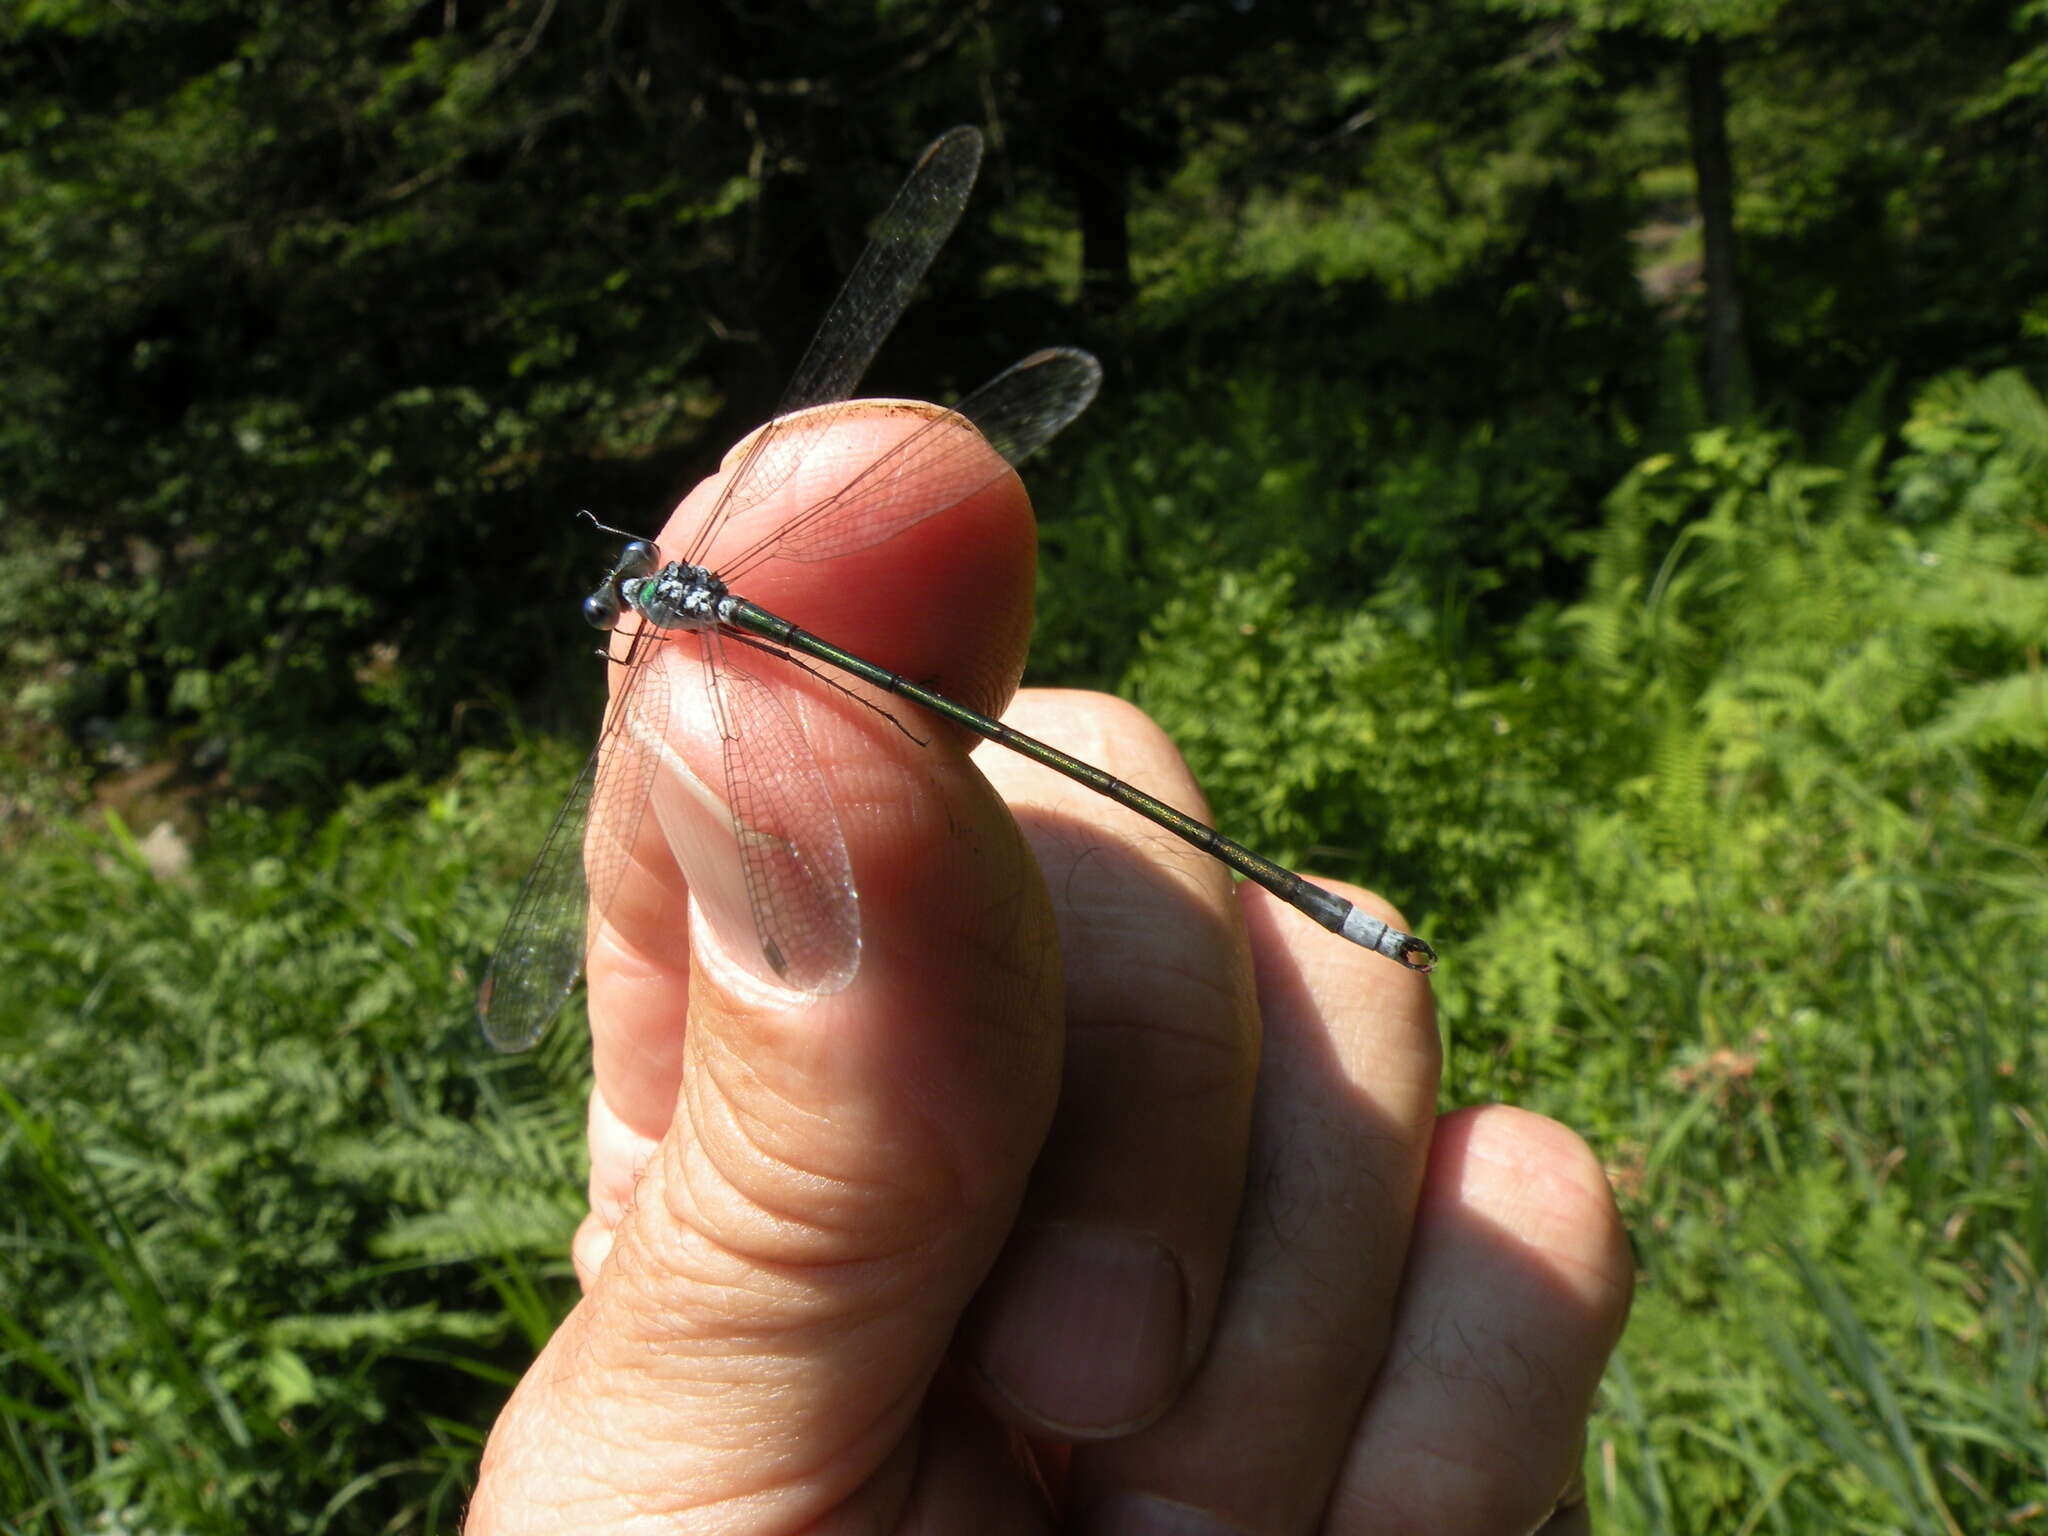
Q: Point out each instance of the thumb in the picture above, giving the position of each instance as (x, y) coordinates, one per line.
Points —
(826, 1177)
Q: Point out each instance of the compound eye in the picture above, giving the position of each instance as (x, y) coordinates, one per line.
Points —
(638, 558)
(601, 608)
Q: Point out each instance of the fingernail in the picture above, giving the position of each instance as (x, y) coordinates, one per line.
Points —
(699, 832)
(693, 817)
(1143, 1514)
(1085, 1329)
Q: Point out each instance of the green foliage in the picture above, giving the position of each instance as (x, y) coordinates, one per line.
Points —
(1785, 966)
(1302, 621)
(276, 1248)
(1423, 520)
(318, 324)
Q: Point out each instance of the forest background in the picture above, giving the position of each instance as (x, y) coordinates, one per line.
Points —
(1579, 467)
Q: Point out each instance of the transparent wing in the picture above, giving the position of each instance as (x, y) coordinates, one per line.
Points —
(540, 953)
(799, 879)
(878, 289)
(938, 466)
(870, 302)
(626, 774)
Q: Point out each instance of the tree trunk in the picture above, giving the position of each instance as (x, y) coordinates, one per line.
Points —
(1093, 158)
(1707, 103)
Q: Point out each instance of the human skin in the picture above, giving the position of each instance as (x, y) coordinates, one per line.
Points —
(1106, 1196)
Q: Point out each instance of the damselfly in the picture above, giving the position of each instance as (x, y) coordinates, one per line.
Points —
(796, 881)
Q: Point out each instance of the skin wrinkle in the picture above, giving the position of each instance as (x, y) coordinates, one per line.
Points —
(781, 1478)
(1187, 967)
(625, 1436)
(1478, 1462)
(1390, 1504)
(763, 1194)
(1504, 1503)
(1606, 1264)
(779, 1298)
(1014, 910)
(1064, 834)
(707, 1184)
(1165, 853)
(782, 1472)
(1221, 1054)
(722, 1095)
(668, 1509)
(706, 1263)
(745, 1100)
(1212, 969)
(777, 1311)
(1468, 1363)
(752, 1105)
(1559, 1258)
(1605, 1281)
(657, 1392)
(1116, 923)
(889, 1490)
(1227, 1050)
(1293, 1180)
(893, 1420)
(728, 1071)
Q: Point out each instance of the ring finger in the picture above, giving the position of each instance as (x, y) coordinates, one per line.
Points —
(1342, 1120)
(1418, 1310)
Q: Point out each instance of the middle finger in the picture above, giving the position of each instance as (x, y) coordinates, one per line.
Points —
(1101, 1305)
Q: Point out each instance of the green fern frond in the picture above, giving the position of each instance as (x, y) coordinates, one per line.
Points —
(2002, 712)
(472, 1229)
(339, 1332)
(2009, 402)
(1679, 784)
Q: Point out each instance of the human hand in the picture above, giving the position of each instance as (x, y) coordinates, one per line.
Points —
(1093, 1148)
